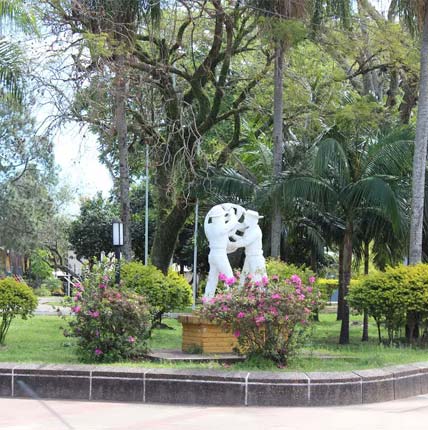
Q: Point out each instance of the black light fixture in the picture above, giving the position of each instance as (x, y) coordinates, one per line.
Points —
(117, 243)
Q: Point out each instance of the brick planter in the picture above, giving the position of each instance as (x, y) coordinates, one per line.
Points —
(200, 335)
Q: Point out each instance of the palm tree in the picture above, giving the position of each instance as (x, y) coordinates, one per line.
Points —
(352, 179)
(13, 14)
(279, 12)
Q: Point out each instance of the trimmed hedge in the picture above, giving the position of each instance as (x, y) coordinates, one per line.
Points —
(16, 299)
(396, 299)
(163, 293)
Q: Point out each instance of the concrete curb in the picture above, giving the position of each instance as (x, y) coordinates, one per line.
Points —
(209, 387)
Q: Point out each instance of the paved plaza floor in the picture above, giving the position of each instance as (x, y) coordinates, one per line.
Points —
(17, 414)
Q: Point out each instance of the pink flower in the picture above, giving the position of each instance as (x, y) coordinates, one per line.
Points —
(276, 296)
(287, 318)
(102, 286)
(274, 278)
(240, 315)
(250, 276)
(295, 279)
(257, 283)
(224, 308)
(230, 281)
(310, 289)
(222, 277)
(131, 339)
(204, 300)
(237, 333)
(105, 278)
(312, 279)
(307, 311)
(94, 314)
(98, 351)
(76, 309)
(265, 280)
(273, 310)
(118, 296)
(259, 319)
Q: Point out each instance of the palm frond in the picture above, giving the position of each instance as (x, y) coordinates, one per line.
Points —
(10, 70)
(231, 184)
(392, 154)
(331, 157)
(373, 192)
(307, 188)
(15, 13)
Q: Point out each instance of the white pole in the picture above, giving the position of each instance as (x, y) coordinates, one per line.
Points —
(195, 255)
(146, 219)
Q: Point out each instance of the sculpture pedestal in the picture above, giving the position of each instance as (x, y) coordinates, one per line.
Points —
(200, 335)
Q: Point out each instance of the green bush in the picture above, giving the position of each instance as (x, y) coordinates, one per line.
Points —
(275, 267)
(163, 293)
(110, 324)
(50, 287)
(16, 299)
(394, 298)
(42, 292)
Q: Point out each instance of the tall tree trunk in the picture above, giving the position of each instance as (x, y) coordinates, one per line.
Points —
(419, 159)
(340, 290)
(365, 336)
(166, 235)
(347, 267)
(278, 145)
(121, 90)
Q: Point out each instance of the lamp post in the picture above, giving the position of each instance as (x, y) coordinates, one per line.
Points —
(117, 243)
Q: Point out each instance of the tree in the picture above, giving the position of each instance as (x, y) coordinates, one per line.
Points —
(352, 177)
(195, 89)
(91, 233)
(283, 35)
(419, 9)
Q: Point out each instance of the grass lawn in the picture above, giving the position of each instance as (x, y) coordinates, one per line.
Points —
(40, 340)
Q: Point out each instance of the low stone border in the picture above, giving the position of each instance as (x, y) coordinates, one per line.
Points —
(209, 387)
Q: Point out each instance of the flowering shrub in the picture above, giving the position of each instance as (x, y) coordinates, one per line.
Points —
(110, 324)
(268, 318)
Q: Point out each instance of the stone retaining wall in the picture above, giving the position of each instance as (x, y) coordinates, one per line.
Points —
(209, 387)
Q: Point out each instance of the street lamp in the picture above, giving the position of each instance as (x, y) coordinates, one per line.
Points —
(117, 243)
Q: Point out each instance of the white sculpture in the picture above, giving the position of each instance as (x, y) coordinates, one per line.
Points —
(221, 228)
(254, 263)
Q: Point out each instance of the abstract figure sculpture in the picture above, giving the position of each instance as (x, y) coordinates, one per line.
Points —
(225, 234)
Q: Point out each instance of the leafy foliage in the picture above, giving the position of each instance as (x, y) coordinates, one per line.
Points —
(16, 299)
(163, 293)
(91, 233)
(268, 320)
(394, 298)
(110, 324)
(285, 270)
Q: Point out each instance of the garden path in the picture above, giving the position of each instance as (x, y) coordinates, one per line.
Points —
(410, 413)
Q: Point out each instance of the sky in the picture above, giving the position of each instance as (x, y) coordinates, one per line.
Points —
(77, 157)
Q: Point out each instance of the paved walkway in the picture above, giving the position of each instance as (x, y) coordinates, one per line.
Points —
(51, 306)
(17, 414)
